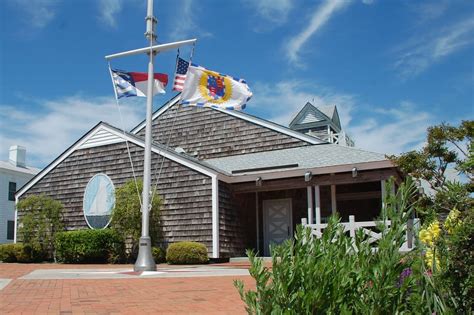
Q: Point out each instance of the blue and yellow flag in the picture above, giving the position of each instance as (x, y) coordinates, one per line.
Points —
(207, 88)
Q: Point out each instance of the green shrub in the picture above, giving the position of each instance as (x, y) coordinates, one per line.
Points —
(9, 252)
(40, 220)
(19, 253)
(457, 249)
(91, 246)
(335, 275)
(159, 254)
(127, 215)
(186, 253)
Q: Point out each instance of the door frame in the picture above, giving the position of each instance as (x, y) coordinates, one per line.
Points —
(266, 240)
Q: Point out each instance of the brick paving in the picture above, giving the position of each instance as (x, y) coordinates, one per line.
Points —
(197, 295)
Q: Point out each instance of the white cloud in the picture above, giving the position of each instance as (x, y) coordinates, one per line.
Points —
(392, 131)
(373, 128)
(186, 25)
(421, 52)
(109, 10)
(38, 13)
(428, 11)
(274, 11)
(368, 2)
(286, 98)
(319, 17)
(59, 123)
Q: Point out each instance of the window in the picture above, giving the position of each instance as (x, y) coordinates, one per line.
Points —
(11, 191)
(10, 230)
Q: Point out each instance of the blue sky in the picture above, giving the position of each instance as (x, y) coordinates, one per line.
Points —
(393, 68)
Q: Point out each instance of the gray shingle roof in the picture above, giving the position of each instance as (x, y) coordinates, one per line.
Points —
(315, 156)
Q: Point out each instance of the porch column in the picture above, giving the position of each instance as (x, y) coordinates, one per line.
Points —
(215, 217)
(382, 187)
(333, 199)
(317, 204)
(310, 205)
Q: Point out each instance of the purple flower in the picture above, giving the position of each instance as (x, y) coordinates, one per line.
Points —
(403, 275)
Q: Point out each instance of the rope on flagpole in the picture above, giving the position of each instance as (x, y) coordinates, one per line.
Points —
(125, 136)
(171, 129)
(162, 157)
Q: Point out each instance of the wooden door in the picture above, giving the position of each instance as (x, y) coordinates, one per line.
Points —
(277, 222)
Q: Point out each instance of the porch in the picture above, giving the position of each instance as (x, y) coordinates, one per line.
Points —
(271, 210)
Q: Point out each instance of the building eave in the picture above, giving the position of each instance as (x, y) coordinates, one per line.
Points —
(288, 173)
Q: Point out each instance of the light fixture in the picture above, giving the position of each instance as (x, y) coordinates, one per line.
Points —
(354, 172)
(258, 182)
(307, 176)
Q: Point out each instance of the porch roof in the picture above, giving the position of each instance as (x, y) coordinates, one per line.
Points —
(308, 157)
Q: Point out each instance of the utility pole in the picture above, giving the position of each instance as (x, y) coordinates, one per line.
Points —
(145, 261)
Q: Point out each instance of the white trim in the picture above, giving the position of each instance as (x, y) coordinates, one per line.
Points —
(101, 137)
(176, 158)
(272, 126)
(16, 219)
(84, 197)
(383, 195)
(215, 217)
(317, 197)
(310, 204)
(268, 175)
(257, 121)
(171, 156)
(160, 111)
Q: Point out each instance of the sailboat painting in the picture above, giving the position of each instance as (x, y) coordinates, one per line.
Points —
(99, 201)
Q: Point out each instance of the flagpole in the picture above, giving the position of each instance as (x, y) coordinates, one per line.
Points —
(145, 261)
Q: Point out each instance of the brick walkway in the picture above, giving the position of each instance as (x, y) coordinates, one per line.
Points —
(197, 295)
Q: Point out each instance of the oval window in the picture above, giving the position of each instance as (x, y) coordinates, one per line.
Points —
(99, 201)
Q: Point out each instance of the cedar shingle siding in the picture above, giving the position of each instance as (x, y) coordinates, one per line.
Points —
(186, 212)
(231, 224)
(187, 194)
(206, 133)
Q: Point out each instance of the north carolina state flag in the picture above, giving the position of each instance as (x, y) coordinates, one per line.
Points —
(135, 83)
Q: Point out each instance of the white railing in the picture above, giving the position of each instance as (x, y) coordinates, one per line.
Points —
(352, 226)
(337, 138)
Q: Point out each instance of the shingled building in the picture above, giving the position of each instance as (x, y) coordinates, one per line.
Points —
(229, 180)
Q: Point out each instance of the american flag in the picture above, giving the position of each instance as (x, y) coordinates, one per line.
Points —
(180, 76)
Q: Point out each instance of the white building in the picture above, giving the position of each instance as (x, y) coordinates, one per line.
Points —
(13, 175)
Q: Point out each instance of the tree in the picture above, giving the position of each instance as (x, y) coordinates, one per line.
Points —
(42, 219)
(127, 217)
(446, 146)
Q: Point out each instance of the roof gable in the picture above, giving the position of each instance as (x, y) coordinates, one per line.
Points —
(335, 118)
(311, 114)
(104, 134)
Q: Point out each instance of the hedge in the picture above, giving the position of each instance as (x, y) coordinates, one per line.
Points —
(9, 252)
(187, 253)
(159, 254)
(19, 253)
(89, 246)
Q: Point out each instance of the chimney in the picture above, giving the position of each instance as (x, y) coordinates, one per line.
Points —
(17, 156)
